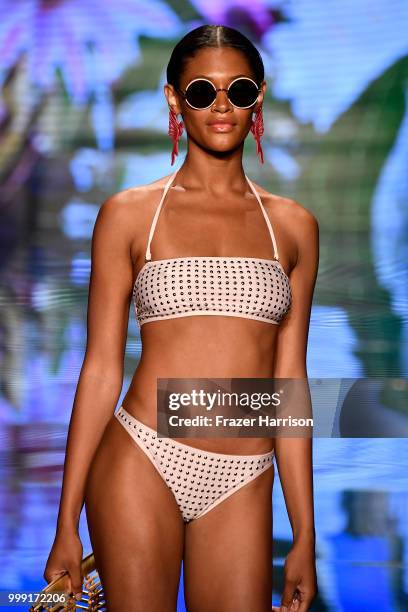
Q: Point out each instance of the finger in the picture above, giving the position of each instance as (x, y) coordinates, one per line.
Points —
(75, 580)
(50, 576)
(287, 596)
(295, 606)
(62, 576)
(305, 605)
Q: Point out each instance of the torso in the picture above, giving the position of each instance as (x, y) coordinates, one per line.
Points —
(202, 346)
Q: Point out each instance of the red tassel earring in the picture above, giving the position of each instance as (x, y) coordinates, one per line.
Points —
(257, 129)
(175, 131)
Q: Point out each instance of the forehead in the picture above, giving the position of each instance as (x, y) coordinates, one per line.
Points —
(217, 63)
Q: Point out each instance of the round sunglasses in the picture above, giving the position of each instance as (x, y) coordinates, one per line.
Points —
(201, 93)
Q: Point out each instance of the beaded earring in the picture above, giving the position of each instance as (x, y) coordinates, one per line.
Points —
(175, 131)
(257, 129)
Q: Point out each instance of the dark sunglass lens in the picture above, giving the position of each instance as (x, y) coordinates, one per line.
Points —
(200, 94)
(243, 93)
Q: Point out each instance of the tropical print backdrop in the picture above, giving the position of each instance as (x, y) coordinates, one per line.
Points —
(83, 115)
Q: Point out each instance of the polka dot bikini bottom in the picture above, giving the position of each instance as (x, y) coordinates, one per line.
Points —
(199, 480)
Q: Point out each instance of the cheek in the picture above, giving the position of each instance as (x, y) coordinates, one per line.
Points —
(246, 120)
(195, 119)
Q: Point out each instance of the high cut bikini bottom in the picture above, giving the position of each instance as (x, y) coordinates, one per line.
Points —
(199, 480)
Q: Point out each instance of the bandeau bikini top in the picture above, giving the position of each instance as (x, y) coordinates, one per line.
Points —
(247, 287)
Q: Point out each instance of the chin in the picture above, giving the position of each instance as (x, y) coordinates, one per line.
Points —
(223, 145)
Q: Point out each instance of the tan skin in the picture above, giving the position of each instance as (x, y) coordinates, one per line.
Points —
(137, 533)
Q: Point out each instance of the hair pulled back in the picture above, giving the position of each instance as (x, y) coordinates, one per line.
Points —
(212, 36)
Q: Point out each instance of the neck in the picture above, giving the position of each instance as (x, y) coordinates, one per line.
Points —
(212, 175)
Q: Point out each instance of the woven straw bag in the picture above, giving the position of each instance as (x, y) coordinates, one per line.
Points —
(93, 598)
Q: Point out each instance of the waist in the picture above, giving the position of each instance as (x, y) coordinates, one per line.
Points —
(209, 346)
(141, 398)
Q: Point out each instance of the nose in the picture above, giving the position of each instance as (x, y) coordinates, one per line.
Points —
(221, 100)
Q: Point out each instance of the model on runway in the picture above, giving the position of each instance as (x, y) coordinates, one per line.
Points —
(221, 274)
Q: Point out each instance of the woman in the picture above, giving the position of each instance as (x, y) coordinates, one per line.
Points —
(141, 526)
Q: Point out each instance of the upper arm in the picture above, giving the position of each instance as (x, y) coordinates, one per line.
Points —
(110, 287)
(291, 347)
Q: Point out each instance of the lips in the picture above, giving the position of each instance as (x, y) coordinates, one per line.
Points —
(221, 123)
(221, 126)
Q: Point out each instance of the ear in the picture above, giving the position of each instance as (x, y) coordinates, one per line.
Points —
(173, 99)
(260, 96)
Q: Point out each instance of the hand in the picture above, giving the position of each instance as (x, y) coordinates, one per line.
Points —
(300, 586)
(66, 555)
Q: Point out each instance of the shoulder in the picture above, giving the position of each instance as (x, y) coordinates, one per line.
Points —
(284, 205)
(294, 215)
(131, 207)
(298, 225)
(134, 199)
(124, 217)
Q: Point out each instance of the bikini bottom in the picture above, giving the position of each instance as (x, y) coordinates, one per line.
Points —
(198, 479)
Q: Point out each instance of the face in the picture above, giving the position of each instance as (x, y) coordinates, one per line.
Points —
(221, 66)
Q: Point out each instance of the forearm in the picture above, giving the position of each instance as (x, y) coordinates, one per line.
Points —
(294, 461)
(95, 400)
(294, 455)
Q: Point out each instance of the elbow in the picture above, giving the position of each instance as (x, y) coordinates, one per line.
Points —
(103, 373)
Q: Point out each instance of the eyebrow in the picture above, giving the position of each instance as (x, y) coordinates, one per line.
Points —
(206, 76)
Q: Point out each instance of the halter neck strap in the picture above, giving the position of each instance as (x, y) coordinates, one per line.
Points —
(148, 255)
(268, 223)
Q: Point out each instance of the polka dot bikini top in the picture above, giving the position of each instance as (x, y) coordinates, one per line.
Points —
(247, 287)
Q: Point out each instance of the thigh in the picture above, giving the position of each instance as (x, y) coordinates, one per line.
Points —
(228, 552)
(135, 526)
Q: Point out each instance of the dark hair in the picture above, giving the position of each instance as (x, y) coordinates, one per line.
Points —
(212, 36)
